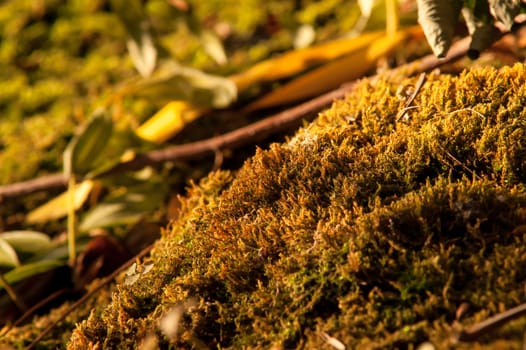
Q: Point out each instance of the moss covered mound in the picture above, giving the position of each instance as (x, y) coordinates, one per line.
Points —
(367, 227)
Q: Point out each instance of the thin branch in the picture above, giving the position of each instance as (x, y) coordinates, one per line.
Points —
(31, 311)
(420, 82)
(249, 134)
(426, 64)
(474, 332)
(20, 189)
(252, 133)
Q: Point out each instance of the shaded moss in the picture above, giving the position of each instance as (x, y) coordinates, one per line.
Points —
(369, 228)
(22, 336)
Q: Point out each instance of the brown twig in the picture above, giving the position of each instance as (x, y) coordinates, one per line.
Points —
(249, 134)
(106, 280)
(20, 189)
(418, 86)
(476, 331)
(426, 64)
(252, 133)
(31, 311)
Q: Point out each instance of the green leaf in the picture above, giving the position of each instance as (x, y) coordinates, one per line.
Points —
(8, 256)
(121, 141)
(125, 208)
(110, 214)
(87, 147)
(60, 252)
(438, 20)
(176, 82)
(213, 46)
(25, 271)
(140, 43)
(143, 52)
(27, 241)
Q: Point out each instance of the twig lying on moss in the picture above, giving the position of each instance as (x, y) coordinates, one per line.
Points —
(33, 309)
(476, 331)
(418, 86)
(242, 136)
(255, 132)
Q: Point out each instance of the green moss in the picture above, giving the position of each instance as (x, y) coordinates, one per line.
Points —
(368, 228)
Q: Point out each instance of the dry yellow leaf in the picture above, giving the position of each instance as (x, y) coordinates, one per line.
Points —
(297, 61)
(333, 74)
(173, 117)
(168, 121)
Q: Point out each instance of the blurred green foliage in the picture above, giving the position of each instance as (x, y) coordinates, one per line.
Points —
(60, 60)
(56, 58)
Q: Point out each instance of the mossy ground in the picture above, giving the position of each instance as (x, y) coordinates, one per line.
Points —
(364, 227)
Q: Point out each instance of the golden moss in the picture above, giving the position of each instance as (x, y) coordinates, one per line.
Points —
(368, 228)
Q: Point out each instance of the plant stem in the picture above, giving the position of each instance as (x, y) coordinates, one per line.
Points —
(392, 16)
(71, 221)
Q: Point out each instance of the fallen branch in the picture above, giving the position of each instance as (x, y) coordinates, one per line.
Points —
(285, 120)
(252, 133)
(20, 189)
(476, 331)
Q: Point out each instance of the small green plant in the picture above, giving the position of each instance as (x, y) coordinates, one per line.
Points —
(80, 157)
